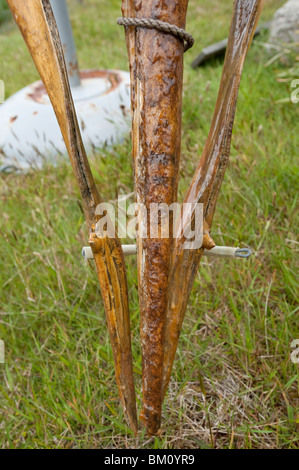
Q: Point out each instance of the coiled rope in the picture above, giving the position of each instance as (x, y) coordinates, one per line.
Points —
(179, 33)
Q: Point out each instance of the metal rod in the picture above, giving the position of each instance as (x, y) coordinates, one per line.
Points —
(60, 11)
(216, 252)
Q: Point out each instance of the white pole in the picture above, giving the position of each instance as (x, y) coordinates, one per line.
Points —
(216, 252)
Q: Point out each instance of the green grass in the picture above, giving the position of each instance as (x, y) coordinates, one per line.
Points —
(4, 11)
(233, 384)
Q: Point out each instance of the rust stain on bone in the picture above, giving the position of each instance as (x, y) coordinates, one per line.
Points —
(156, 66)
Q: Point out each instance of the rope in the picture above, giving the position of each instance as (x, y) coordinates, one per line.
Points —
(179, 33)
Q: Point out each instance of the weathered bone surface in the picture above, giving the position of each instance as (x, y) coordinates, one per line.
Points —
(208, 178)
(37, 24)
(156, 66)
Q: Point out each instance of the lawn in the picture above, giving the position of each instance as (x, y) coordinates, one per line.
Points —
(233, 383)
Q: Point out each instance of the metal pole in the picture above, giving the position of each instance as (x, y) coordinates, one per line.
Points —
(66, 35)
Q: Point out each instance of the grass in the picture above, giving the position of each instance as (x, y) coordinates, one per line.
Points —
(233, 384)
(4, 11)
